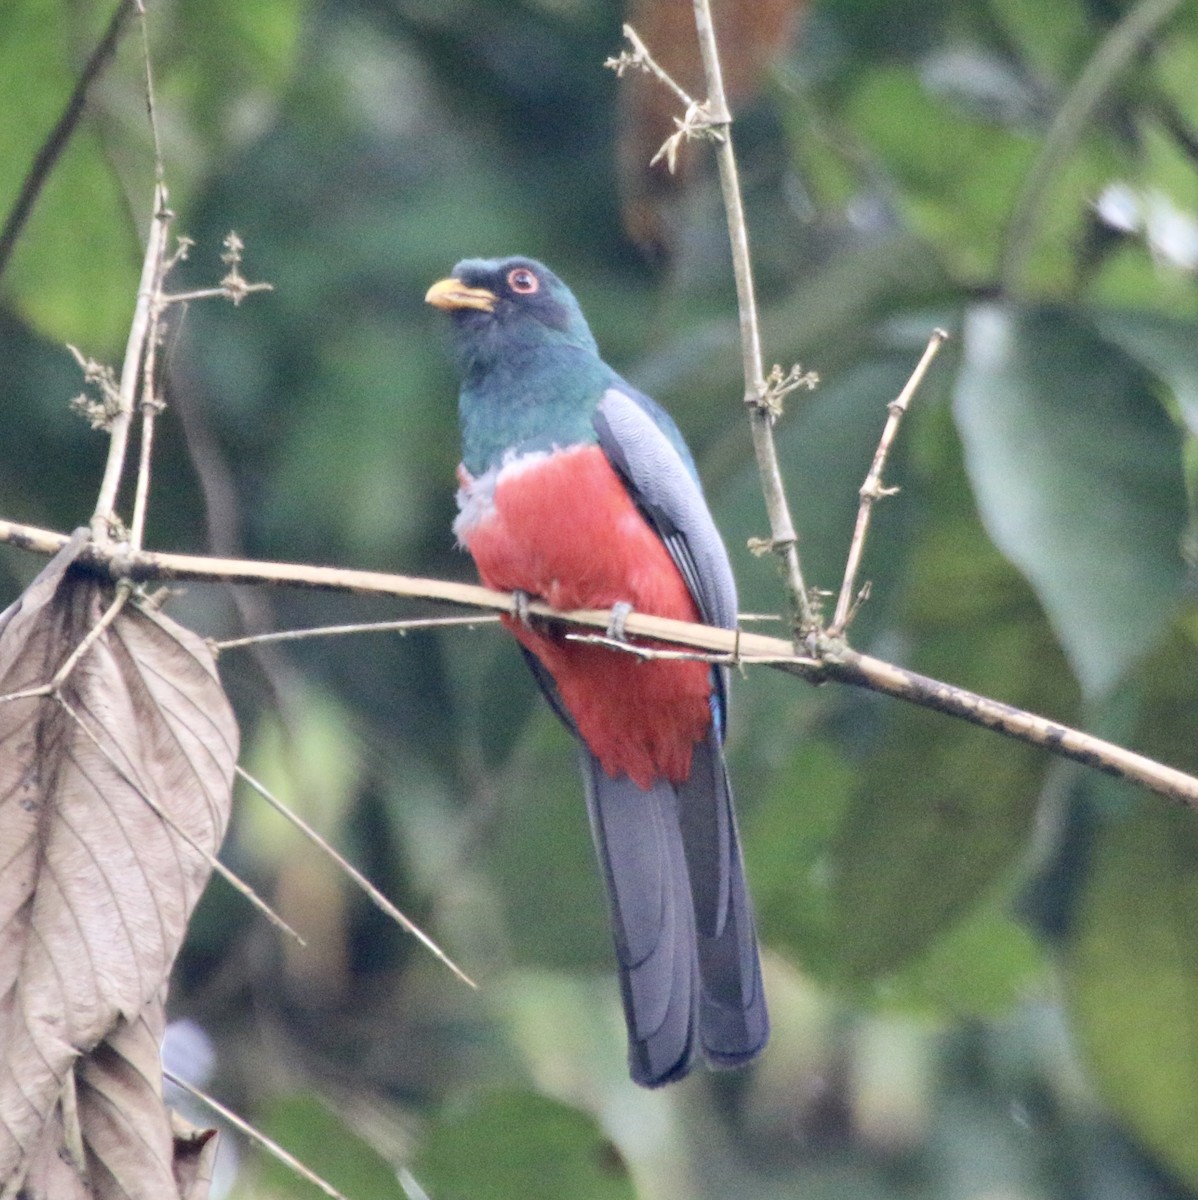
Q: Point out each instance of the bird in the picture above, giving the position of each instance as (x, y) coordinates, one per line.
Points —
(578, 490)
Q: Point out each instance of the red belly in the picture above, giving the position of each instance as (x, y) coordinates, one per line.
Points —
(565, 529)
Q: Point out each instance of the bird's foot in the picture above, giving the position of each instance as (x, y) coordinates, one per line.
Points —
(520, 602)
(619, 616)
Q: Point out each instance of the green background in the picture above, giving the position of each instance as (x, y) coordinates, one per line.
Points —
(982, 963)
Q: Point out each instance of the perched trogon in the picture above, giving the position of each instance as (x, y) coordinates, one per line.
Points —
(577, 489)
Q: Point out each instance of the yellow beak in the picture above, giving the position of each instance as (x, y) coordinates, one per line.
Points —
(453, 293)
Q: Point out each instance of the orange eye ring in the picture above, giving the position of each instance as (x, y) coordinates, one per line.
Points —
(522, 281)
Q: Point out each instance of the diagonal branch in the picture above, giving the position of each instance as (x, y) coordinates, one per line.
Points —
(255, 1135)
(872, 490)
(56, 141)
(140, 333)
(375, 896)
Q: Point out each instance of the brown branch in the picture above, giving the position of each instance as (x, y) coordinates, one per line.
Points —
(56, 141)
(141, 331)
(784, 541)
(711, 119)
(835, 661)
(872, 490)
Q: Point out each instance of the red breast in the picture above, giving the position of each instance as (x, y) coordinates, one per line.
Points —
(561, 526)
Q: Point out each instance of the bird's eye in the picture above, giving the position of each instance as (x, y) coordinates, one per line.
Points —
(522, 281)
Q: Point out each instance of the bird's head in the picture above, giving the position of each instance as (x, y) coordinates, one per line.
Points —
(505, 309)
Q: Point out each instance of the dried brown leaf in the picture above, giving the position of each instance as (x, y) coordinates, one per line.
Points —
(195, 1156)
(114, 792)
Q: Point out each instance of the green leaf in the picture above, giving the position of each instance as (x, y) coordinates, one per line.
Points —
(1164, 346)
(958, 176)
(1077, 473)
(942, 810)
(982, 966)
(1132, 977)
(519, 1144)
(540, 853)
(307, 1128)
(74, 270)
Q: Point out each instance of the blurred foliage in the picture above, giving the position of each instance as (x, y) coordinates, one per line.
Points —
(983, 964)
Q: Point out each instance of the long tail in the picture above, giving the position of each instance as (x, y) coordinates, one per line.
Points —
(733, 1023)
(686, 951)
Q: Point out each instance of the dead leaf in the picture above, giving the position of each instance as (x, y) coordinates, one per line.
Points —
(114, 794)
(195, 1156)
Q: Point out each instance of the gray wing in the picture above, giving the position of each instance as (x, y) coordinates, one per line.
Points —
(665, 488)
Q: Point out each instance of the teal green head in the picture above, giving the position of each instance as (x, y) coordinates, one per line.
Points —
(530, 371)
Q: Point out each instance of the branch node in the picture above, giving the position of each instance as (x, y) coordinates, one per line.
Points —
(759, 547)
(771, 391)
(234, 285)
(100, 410)
(697, 123)
(640, 59)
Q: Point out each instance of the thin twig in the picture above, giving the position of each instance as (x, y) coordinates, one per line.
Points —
(243, 1126)
(783, 538)
(150, 403)
(872, 490)
(658, 654)
(377, 897)
(56, 141)
(150, 407)
(216, 293)
(835, 660)
(318, 631)
(151, 106)
(642, 60)
(139, 331)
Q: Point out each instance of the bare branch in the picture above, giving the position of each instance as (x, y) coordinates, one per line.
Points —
(400, 627)
(872, 490)
(861, 670)
(834, 660)
(783, 538)
(144, 318)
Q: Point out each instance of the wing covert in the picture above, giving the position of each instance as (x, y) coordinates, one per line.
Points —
(666, 490)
